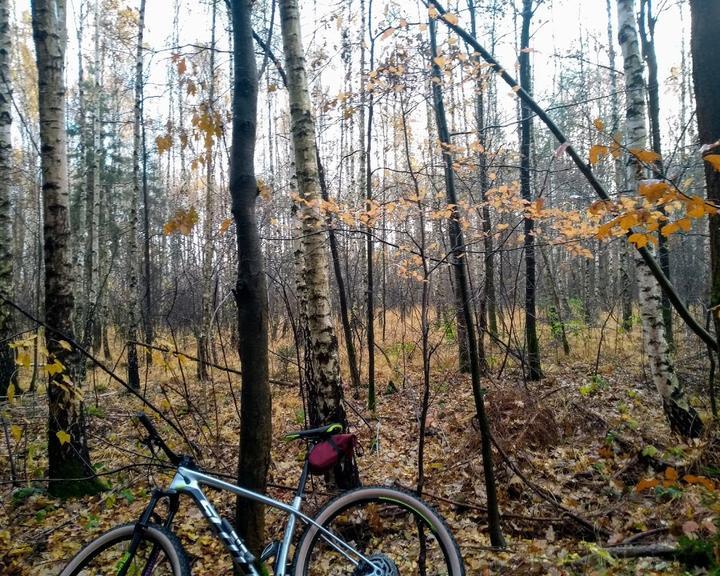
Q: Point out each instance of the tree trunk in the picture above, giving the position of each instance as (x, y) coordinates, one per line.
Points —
(206, 308)
(682, 417)
(68, 456)
(531, 339)
(706, 74)
(133, 304)
(647, 36)
(459, 261)
(325, 392)
(342, 292)
(251, 290)
(7, 358)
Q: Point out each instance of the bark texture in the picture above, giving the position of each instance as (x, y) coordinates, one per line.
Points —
(534, 370)
(459, 261)
(69, 469)
(682, 417)
(133, 302)
(706, 75)
(7, 360)
(322, 368)
(250, 290)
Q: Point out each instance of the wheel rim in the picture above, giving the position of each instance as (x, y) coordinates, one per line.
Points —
(149, 559)
(392, 531)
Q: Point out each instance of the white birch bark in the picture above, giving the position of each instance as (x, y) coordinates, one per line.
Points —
(682, 417)
(7, 363)
(324, 373)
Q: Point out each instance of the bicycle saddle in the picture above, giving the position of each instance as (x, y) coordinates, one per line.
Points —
(315, 433)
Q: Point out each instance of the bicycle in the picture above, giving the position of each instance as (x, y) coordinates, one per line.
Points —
(368, 531)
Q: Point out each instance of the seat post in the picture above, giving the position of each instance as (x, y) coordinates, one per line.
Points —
(303, 480)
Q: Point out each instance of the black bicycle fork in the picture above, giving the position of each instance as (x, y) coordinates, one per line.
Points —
(141, 526)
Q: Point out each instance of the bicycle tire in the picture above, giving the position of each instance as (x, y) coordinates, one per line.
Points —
(103, 556)
(356, 515)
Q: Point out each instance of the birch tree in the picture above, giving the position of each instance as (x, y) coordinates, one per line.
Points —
(7, 360)
(322, 369)
(133, 304)
(682, 417)
(69, 468)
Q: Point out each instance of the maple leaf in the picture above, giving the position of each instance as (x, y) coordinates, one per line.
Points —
(653, 190)
(639, 240)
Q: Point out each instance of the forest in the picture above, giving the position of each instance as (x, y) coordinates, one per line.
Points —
(483, 236)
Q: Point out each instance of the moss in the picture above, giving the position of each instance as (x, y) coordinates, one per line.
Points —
(75, 482)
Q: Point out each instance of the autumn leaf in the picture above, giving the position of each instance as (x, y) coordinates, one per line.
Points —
(646, 483)
(63, 437)
(713, 160)
(599, 124)
(16, 432)
(450, 18)
(639, 240)
(653, 190)
(669, 229)
(597, 152)
(11, 393)
(389, 32)
(181, 66)
(65, 345)
(163, 143)
(646, 156)
(440, 61)
(671, 474)
(225, 225)
(433, 13)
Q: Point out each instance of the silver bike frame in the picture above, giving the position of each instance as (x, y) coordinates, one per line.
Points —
(188, 481)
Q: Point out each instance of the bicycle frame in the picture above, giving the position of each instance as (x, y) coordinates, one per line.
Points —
(188, 481)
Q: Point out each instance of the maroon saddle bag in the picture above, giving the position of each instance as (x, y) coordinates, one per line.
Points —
(324, 455)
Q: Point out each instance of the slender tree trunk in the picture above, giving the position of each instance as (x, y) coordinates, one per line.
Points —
(706, 75)
(208, 245)
(647, 36)
(325, 392)
(251, 289)
(68, 457)
(133, 304)
(367, 180)
(7, 358)
(488, 317)
(682, 417)
(92, 197)
(531, 339)
(342, 292)
(459, 261)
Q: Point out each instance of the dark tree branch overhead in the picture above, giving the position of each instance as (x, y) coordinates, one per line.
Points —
(586, 171)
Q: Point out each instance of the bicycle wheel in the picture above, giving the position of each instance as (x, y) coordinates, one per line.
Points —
(158, 554)
(398, 532)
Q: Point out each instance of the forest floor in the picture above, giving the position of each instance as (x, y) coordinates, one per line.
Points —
(587, 461)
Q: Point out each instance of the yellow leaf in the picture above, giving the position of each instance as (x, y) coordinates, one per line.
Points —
(440, 61)
(23, 359)
(653, 190)
(11, 393)
(389, 32)
(271, 87)
(65, 344)
(450, 18)
(597, 152)
(685, 224)
(432, 12)
(639, 240)
(628, 221)
(696, 208)
(599, 124)
(63, 437)
(16, 432)
(55, 368)
(669, 229)
(671, 473)
(713, 160)
(646, 156)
